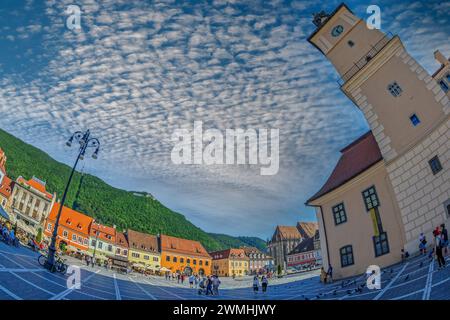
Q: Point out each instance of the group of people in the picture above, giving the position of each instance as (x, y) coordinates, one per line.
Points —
(8, 234)
(326, 276)
(264, 284)
(439, 247)
(209, 285)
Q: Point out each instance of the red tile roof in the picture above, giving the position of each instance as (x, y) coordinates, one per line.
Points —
(121, 240)
(286, 232)
(36, 184)
(183, 246)
(6, 187)
(103, 232)
(307, 229)
(71, 219)
(2, 161)
(229, 253)
(357, 157)
(142, 241)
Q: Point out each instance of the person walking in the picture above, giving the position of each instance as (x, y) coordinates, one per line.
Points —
(196, 281)
(330, 274)
(209, 286)
(191, 280)
(438, 249)
(264, 284)
(215, 283)
(255, 284)
(422, 244)
(444, 238)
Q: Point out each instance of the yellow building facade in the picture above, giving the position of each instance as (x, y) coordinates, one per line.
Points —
(230, 262)
(143, 251)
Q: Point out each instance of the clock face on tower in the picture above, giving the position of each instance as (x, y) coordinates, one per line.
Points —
(337, 31)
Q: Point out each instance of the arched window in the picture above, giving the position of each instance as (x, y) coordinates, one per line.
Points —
(394, 89)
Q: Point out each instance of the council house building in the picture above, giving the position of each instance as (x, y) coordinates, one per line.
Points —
(392, 183)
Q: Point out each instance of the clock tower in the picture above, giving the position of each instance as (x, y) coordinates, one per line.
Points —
(407, 110)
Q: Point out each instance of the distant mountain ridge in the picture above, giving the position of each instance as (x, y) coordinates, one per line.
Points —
(108, 205)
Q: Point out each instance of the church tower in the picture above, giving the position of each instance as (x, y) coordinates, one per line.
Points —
(407, 110)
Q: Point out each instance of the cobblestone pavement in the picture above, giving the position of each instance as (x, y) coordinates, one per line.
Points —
(21, 277)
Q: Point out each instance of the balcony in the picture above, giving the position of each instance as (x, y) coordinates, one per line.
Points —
(365, 59)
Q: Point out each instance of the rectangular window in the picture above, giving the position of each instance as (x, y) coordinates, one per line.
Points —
(194, 261)
(444, 85)
(370, 198)
(167, 258)
(65, 234)
(93, 243)
(74, 237)
(181, 260)
(381, 244)
(110, 248)
(339, 214)
(435, 165)
(146, 257)
(347, 256)
(414, 120)
(175, 259)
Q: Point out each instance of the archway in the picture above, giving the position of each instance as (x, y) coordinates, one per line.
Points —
(187, 271)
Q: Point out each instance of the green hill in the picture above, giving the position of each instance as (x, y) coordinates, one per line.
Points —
(236, 242)
(94, 197)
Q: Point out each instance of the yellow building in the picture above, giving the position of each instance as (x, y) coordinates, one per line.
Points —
(143, 251)
(391, 184)
(230, 262)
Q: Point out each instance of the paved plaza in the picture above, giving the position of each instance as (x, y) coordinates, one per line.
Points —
(21, 277)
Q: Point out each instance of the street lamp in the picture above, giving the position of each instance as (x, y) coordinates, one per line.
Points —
(97, 233)
(85, 142)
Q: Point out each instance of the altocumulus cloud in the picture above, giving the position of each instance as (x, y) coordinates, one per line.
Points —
(139, 70)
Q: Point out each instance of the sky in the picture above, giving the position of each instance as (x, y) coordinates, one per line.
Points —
(139, 70)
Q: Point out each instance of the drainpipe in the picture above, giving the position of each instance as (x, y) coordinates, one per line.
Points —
(324, 229)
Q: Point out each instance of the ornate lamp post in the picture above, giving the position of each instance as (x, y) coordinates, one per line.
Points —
(85, 142)
(97, 233)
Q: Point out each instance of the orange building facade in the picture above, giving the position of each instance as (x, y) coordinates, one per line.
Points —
(186, 256)
(73, 229)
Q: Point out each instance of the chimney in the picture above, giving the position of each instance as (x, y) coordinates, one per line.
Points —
(440, 58)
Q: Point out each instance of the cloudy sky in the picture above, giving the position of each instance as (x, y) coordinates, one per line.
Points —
(138, 70)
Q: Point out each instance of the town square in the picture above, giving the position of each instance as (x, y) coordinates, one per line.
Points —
(224, 151)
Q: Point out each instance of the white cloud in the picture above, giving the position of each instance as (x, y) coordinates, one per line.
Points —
(136, 72)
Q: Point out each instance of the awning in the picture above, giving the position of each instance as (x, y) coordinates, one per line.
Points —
(3, 213)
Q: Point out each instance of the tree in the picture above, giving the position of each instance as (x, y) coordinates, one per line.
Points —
(280, 271)
(39, 236)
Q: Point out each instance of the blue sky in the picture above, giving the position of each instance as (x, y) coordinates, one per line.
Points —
(138, 70)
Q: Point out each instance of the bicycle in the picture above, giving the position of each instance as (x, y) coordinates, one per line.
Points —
(59, 264)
